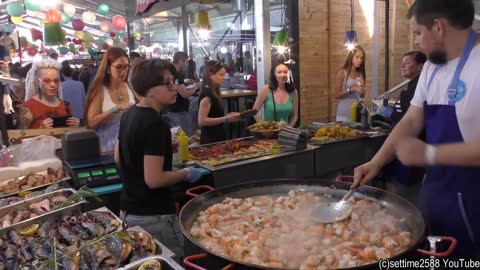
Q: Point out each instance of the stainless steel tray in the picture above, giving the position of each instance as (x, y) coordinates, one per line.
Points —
(34, 194)
(67, 177)
(23, 205)
(167, 263)
(337, 141)
(210, 166)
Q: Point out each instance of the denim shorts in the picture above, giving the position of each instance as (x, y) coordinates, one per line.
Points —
(165, 228)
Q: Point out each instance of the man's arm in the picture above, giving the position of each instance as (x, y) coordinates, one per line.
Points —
(458, 154)
(409, 127)
(414, 152)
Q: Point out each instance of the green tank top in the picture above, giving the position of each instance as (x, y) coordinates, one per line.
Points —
(283, 111)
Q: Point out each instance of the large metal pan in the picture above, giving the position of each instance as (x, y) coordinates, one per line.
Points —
(398, 205)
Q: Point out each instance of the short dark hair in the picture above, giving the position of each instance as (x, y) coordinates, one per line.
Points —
(66, 68)
(76, 75)
(418, 56)
(179, 56)
(134, 55)
(20, 71)
(148, 73)
(53, 55)
(459, 13)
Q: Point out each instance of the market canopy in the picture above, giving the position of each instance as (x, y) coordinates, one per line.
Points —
(91, 12)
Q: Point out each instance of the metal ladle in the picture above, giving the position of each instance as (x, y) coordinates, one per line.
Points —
(333, 212)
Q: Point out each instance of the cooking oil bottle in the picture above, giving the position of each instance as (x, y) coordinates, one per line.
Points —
(183, 145)
(354, 112)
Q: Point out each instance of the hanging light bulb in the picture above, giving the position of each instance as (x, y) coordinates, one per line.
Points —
(350, 40)
(204, 34)
(202, 23)
(280, 39)
(351, 36)
(223, 50)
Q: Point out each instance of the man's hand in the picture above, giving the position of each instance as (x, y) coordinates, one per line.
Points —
(364, 174)
(411, 152)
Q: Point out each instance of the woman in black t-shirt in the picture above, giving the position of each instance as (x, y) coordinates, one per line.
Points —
(211, 116)
(144, 156)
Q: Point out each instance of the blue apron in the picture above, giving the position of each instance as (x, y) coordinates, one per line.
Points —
(449, 198)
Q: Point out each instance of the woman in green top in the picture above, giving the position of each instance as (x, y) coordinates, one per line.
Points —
(279, 98)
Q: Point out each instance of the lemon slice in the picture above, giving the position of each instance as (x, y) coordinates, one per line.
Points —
(24, 193)
(30, 230)
(115, 223)
(151, 265)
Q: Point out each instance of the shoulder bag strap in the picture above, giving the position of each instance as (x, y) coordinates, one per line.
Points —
(274, 107)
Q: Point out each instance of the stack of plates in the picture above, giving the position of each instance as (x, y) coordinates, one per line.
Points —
(293, 137)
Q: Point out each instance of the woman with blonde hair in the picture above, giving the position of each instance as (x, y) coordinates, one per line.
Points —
(350, 83)
(44, 107)
(109, 97)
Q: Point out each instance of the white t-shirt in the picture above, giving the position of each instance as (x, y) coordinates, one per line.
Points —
(468, 97)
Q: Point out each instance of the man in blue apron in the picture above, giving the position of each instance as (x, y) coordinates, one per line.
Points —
(446, 104)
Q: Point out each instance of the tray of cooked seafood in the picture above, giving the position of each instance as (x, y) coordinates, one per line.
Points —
(156, 262)
(335, 133)
(216, 154)
(93, 240)
(32, 181)
(30, 194)
(43, 206)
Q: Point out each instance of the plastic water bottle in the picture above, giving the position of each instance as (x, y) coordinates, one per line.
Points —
(183, 145)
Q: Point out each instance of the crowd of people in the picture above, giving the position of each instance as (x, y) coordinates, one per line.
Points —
(52, 95)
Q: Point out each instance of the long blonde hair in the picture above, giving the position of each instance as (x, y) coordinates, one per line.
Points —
(102, 78)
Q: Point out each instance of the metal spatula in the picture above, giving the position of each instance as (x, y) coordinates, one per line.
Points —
(333, 212)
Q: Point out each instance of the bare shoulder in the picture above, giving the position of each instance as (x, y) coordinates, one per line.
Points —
(340, 73)
(264, 90)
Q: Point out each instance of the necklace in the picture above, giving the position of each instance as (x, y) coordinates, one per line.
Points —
(119, 97)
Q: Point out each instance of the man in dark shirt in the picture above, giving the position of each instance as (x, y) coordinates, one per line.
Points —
(178, 113)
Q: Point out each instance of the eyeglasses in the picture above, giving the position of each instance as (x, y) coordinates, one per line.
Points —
(48, 81)
(121, 67)
(170, 85)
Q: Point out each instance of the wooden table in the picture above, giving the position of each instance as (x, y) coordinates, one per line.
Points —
(237, 93)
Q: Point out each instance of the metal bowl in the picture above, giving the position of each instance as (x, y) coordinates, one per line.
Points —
(265, 134)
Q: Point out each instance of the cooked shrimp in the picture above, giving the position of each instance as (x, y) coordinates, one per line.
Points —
(279, 232)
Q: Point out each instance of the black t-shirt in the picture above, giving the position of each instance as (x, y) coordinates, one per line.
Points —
(403, 103)
(182, 104)
(143, 132)
(211, 134)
